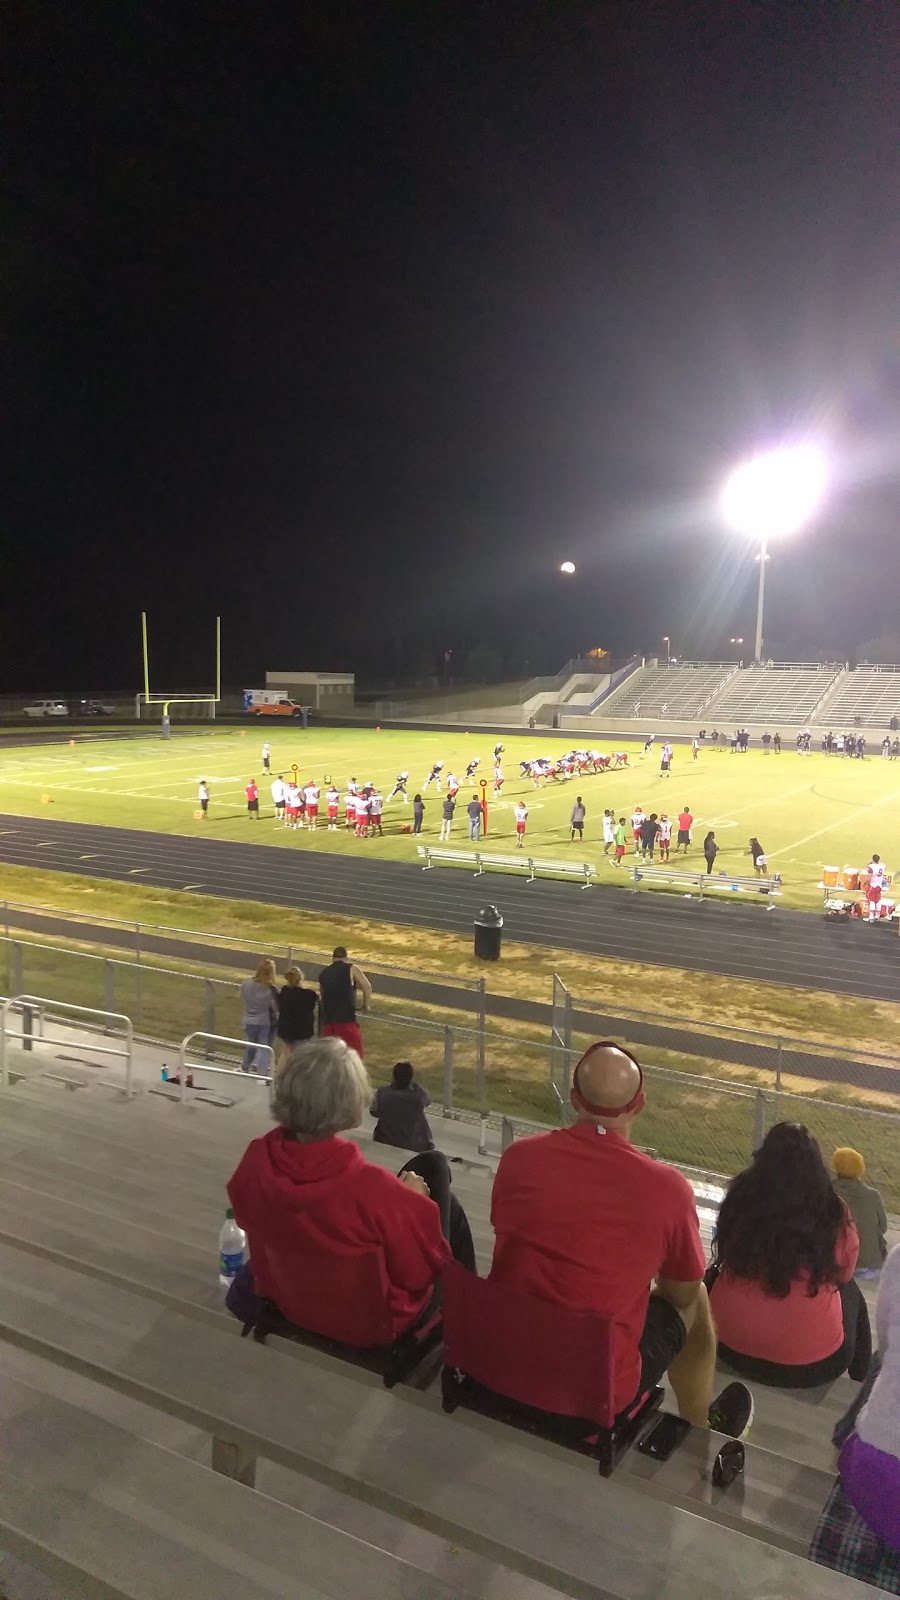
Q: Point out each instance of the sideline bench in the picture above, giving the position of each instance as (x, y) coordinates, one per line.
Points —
(646, 875)
(485, 862)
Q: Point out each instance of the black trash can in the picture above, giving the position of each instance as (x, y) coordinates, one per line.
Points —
(488, 934)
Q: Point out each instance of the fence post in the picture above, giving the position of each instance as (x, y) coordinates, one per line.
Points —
(137, 941)
(18, 983)
(210, 1011)
(109, 985)
(448, 1069)
(482, 1025)
(138, 995)
(507, 1134)
(778, 1068)
(759, 1119)
(27, 1027)
(567, 1021)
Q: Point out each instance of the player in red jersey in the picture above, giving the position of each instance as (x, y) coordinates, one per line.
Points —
(252, 794)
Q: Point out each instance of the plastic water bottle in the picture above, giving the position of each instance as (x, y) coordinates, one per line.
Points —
(232, 1250)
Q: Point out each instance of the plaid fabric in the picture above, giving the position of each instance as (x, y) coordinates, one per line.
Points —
(843, 1542)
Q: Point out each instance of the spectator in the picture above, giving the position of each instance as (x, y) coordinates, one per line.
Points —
(781, 1286)
(859, 1529)
(758, 857)
(300, 1188)
(296, 1012)
(400, 1109)
(710, 851)
(473, 811)
(338, 987)
(685, 824)
(865, 1206)
(776, 743)
(648, 835)
(418, 813)
(259, 1015)
(448, 806)
(591, 1222)
(576, 821)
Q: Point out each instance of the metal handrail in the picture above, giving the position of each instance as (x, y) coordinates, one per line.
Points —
(43, 1001)
(227, 1072)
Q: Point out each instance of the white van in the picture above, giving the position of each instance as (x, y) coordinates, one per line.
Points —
(47, 708)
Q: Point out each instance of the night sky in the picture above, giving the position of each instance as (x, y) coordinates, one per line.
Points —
(353, 320)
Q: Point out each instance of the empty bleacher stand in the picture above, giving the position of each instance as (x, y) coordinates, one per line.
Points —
(680, 692)
(777, 694)
(869, 697)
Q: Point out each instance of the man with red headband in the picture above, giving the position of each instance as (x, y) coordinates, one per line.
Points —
(583, 1217)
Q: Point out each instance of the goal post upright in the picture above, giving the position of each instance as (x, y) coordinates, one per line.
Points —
(212, 700)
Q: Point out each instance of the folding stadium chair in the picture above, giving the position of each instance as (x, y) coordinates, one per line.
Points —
(329, 1280)
(537, 1366)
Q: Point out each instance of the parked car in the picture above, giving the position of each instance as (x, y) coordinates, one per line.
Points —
(47, 708)
(92, 708)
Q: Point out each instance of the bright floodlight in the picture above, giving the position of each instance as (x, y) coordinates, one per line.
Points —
(567, 567)
(775, 493)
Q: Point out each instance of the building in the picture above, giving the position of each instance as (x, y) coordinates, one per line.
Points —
(329, 692)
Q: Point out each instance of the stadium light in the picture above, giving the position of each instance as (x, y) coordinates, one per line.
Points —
(668, 644)
(769, 496)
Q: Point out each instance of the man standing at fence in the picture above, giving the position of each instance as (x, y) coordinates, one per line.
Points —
(685, 824)
(339, 986)
(447, 809)
(473, 811)
(576, 820)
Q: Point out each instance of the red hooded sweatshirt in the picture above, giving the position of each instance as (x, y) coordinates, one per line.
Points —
(302, 1204)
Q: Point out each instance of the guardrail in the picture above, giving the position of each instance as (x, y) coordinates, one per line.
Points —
(225, 1072)
(44, 1005)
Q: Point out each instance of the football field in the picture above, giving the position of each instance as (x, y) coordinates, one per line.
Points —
(807, 811)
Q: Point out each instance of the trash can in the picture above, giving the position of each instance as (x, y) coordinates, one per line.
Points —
(488, 934)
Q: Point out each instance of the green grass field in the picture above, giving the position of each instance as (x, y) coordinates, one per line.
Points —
(806, 811)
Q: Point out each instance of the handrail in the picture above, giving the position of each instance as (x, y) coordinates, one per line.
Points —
(39, 1000)
(227, 1072)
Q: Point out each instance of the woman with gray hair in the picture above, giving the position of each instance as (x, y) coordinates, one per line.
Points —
(302, 1193)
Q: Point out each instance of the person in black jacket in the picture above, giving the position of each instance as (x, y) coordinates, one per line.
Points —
(296, 1012)
(400, 1110)
(710, 850)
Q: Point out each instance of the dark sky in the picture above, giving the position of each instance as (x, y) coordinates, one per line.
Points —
(353, 320)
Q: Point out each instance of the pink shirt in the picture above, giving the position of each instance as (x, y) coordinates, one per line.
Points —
(793, 1332)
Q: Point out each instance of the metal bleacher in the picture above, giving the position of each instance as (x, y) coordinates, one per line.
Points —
(869, 694)
(679, 692)
(776, 694)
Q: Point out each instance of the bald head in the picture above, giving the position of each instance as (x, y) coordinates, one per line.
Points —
(607, 1076)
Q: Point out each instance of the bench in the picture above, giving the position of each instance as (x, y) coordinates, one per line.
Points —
(485, 862)
(646, 875)
(524, 1503)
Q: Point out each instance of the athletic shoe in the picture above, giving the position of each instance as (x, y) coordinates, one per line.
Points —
(732, 1411)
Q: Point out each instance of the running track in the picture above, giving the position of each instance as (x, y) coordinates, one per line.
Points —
(736, 940)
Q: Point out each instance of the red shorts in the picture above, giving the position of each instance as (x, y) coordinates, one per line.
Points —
(350, 813)
(375, 819)
(620, 849)
(350, 1032)
(291, 811)
(520, 827)
(873, 894)
(311, 811)
(332, 813)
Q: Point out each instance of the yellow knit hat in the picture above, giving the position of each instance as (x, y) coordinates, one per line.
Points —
(848, 1163)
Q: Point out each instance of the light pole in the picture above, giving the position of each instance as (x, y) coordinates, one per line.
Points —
(771, 494)
(668, 644)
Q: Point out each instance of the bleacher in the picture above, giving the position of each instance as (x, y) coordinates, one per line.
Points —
(121, 1366)
(679, 692)
(869, 696)
(773, 695)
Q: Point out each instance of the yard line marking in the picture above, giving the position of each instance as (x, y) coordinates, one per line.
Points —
(841, 822)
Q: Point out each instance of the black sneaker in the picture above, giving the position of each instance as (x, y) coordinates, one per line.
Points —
(732, 1411)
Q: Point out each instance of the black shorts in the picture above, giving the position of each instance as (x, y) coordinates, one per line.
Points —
(279, 807)
(204, 805)
(252, 805)
(684, 836)
(661, 1341)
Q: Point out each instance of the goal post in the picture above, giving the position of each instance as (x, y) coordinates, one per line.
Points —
(190, 705)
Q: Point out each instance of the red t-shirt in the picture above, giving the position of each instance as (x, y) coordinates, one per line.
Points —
(685, 822)
(792, 1332)
(582, 1217)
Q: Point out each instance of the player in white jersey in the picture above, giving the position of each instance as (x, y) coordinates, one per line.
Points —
(521, 814)
(637, 824)
(353, 787)
(332, 801)
(350, 809)
(876, 873)
(362, 816)
(664, 837)
(434, 776)
(499, 780)
(311, 796)
(376, 806)
(267, 757)
(278, 796)
(452, 785)
(609, 831)
(292, 806)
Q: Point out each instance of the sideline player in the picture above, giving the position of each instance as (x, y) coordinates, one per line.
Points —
(637, 826)
(521, 823)
(332, 801)
(350, 809)
(434, 776)
(576, 820)
(278, 795)
(266, 758)
(876, 875)
(400, 788)
(376, 806)
(292, 805)
(203, 797)
(609, 831)
(252, 793)
(685, 824)
(664, 837)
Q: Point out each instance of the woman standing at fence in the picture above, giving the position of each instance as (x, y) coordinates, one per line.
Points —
(710, 850)
(259, 1015)
(783, 1297)
(296, 1012)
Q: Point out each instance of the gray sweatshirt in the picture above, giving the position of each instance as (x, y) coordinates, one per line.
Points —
(257, 1003)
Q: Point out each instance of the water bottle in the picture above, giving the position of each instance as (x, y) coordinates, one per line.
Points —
(232, 1250)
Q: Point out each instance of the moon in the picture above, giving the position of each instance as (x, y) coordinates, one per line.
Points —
(568, 567)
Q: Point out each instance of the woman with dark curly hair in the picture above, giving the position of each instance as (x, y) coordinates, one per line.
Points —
(783, 1299)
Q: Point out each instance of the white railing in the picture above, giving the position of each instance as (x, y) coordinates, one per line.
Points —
(46, 1005)
(225, 1072)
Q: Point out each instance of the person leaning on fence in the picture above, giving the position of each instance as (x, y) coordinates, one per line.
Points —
(584, 1218)
(783, 1296)
(858, 1533)
(400, 1109)
(301, 1189)
(296, 1012)
(259, 1015)
(339, 985)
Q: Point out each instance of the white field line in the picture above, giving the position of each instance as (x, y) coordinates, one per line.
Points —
(840, 822)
